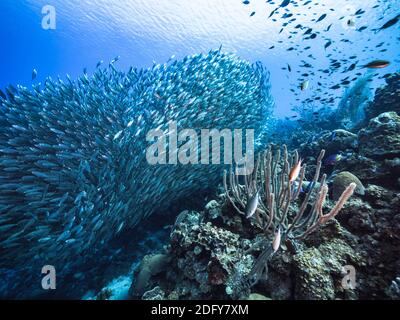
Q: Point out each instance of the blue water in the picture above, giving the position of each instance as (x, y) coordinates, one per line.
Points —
(145, 31)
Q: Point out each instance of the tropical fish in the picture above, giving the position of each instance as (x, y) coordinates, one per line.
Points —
(85, 139)
(350, 23)
(327, 44)
(377, 64)
(333, 159)
(304, 85)
(321, 17)
(295, 171)
(2, 95)
(390, 23)
(276, 242)
(284, 3)
(34, 74)
(251, 205)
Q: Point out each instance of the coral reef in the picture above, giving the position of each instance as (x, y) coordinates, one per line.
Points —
(386, 98)
(342, 180)
(211, 257)
(218, 248)
(381, 137)
(276, 184)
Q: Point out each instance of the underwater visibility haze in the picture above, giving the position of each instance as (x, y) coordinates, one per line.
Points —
(109, 188)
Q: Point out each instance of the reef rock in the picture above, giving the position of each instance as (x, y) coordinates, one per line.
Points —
(317, 270)
(387, 98)
(150, 266)
(257, 296)
(381, 138)
(154, 294)
(335, 141)
(342, 180)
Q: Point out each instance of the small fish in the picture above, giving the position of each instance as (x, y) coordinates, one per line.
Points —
(390, 23)
(246, 2)
(3, 95)
(34, 74)
(276, 243)
(284, 3)
(352, 67)
(294, 172)
(252, 14)
(289, 68)
(272, 13)
(359, 11)
(304, 85)
(251, 205)
(377, 64)
(327, 44)
(296, 188)
(333, 159)
(350, 23)
(99, 63)
(118, 134)
(321, 17)
(114, 60)
(309, 187)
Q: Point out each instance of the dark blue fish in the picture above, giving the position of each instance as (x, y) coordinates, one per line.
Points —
(327, 44)
(272, 13)
(390, 23)
(284, 3)
(309, 187)
(321, 17)
(2, 94)
(332, 159)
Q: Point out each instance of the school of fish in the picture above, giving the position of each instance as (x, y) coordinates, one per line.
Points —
(73, 169)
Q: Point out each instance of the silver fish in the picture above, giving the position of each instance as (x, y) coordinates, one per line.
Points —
(251, 205)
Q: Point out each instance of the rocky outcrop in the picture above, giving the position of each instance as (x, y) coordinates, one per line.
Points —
(386, 98)
(211, 251)
(342, 180)
(372, 155)
(336, 141)
(381, 138)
